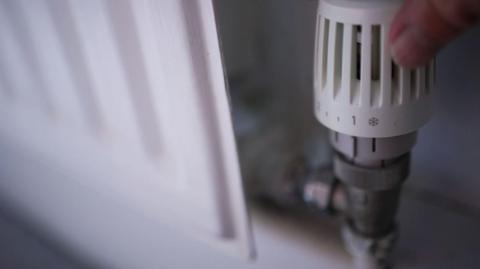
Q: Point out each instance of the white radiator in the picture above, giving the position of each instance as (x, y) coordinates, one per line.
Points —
(127, 98)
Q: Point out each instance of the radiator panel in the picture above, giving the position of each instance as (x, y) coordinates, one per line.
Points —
(128, 98)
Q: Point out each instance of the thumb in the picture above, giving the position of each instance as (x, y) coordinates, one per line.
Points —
(422, 27)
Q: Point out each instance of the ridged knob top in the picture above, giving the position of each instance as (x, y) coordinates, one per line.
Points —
(359, 90)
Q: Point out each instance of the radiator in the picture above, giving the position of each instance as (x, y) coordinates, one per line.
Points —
(127, 98)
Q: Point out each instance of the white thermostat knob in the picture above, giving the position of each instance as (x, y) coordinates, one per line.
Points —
(359, 90)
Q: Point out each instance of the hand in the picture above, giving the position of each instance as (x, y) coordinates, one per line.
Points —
(422, 27)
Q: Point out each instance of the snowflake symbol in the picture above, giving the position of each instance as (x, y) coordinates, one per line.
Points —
(373, 121)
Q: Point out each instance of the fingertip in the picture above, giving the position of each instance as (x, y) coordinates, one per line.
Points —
(409, 50)
(398, 24)
(422, 27)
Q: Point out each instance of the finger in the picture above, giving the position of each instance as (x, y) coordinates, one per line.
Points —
(423, 27)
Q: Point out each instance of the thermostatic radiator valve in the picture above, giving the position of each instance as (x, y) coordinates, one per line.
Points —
(373, 108)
